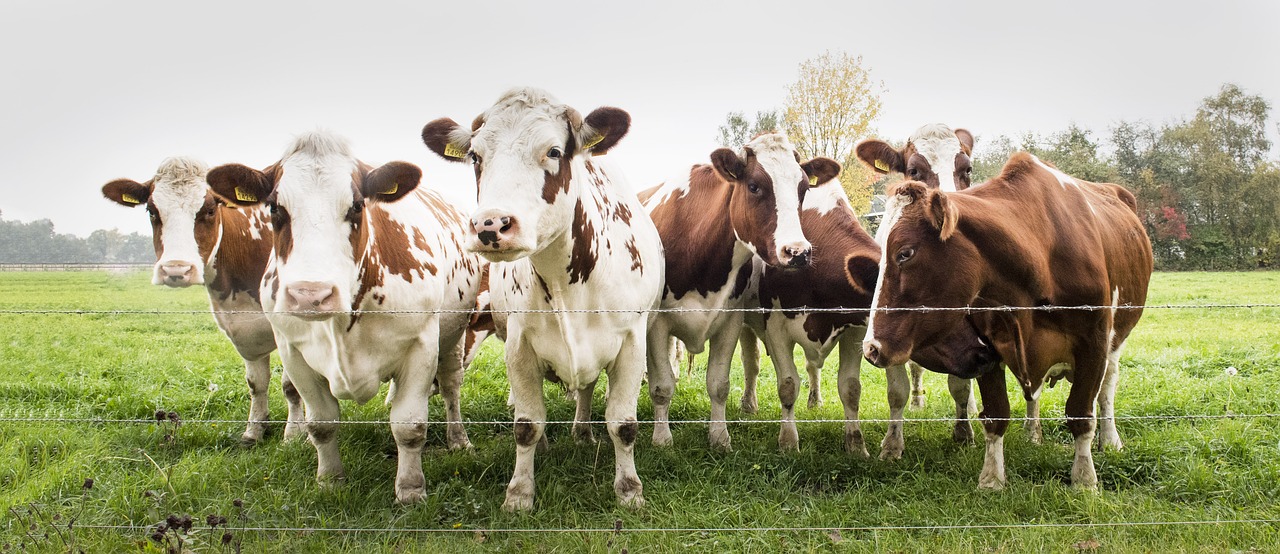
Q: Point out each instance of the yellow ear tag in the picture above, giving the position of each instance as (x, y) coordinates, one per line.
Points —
(452, 150)
(245, 196)
(813, 180)
(129, 198)
(592, 142)
(882, 166)
(394, 187)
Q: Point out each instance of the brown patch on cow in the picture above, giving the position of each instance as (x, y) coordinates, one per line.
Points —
(582, 257)
(282, 225)
(743, 279)
(391, 249)
(322, 433)
(526, 433)
(553, 185)
(291, 393)
(637, 263)
(697, 234)
(542, 284)
(241, 260)
(627, 431)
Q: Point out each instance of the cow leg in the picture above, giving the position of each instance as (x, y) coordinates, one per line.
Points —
(690, 358)
(995, 421)
(719, 357)
(849, 386)
(813, 367)
(782, 352)
(1032, 423)
(1108, 436)
(661, 382)
(322, 415)
(962, 393)
(918, 395)
(257, 373)
(750, 369)
(620, 413)
(530, 419)
(582, 416)
(449, 376)
(294, 426)
(898, 382)
(409, 413)
(1090, 368)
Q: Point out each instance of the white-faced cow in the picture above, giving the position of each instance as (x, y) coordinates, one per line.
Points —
(715, 223)
(567, 239)
(1031, 237)
(368, 283)
(200, 240)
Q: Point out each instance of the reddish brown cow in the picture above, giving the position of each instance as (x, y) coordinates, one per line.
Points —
(1031, 237)
(934, 155)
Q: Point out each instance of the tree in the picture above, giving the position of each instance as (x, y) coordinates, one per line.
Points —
(738, 129)
(830, 107)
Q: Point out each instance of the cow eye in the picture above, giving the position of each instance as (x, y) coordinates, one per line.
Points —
(475, 158)
(913, 172)
(554, 153)
(968, 170)
(904, 255)
(753, 188)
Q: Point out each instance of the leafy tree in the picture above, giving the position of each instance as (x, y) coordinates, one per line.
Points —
(738, 129)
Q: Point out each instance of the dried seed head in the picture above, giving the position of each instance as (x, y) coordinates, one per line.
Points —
(226, 538)
(161, 415)
(237, 503)
(157, 536)
(88, 484)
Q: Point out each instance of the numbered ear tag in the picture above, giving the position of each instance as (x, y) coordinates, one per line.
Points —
(245, 196)
(453, 151)
(130, 198)
(882, 166)
(394, 187)
(592, 142)
(813, 180)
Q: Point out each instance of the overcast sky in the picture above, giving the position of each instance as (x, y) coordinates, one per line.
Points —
(92, 91)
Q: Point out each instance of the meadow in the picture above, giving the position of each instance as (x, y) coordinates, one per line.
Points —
(1175, 474)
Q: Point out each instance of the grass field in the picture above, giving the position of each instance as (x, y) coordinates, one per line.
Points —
(121, 366)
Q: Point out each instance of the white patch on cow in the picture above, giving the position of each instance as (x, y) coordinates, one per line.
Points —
(825, 197)
(893, 208)
(938, 144)
(670, 189)
(179, 190)
(1111, 333)
(777, 156)
(1063, 178)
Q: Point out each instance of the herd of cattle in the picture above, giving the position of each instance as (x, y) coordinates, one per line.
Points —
(359, 276)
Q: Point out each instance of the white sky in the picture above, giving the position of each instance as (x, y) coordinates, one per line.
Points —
(92, 91)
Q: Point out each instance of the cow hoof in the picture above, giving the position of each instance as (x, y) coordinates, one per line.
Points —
(249, 441)
(583, 435)
(410, 496)
(962, 433)
(463, 444)
(630, 493)
(1035, 433)
(891, 453)
(749, 404)
(662, 437)
(853, 444)
(1084, 478)
(1110, 443)
(720, 440)
(991, 483)
(918, 400)
(789, 440)
(331, 482)
(815, 400)
(517, 503)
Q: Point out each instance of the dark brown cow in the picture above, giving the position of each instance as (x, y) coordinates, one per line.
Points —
(200, 240)
(1032, 236)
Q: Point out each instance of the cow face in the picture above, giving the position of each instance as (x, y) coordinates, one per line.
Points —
(924, 261)
(769, 185)
(525, 149)
(934, 155)
(185, 221)
(316, 193)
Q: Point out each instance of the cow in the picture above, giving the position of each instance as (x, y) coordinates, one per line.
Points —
(1031, 238)
(368, 282)
(575, 264)
(720, 224)
(200, 240)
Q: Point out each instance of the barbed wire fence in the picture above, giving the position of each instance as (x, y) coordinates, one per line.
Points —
(11, 416)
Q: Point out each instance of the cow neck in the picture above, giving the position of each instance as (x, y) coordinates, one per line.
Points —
(237, 260)
(702, 250)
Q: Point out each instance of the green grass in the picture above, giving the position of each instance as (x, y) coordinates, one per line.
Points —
(128, 366)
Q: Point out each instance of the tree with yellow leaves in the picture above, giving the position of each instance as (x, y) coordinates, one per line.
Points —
(829, 109)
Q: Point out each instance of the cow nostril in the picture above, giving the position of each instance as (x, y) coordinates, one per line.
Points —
(488, 222)
(506, 220)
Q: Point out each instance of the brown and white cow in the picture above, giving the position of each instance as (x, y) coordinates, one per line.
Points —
(200, 240)
(567, 240)
(718, 223)
(934, 155)
(1031, 237)
(368, 283)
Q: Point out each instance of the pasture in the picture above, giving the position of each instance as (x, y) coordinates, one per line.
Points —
(129, 366)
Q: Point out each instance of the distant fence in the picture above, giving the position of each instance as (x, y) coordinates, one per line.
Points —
(73, 267)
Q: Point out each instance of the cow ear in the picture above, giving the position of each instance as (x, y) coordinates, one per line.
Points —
(447, 139)
(909, 190)
(126, 192)
(390, 182)
(821, 170)
(242, 185)
(728, 164)
(881, 157)
(942, 214)
(603, 128)
(966, 141)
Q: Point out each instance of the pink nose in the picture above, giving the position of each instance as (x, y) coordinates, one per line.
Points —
(795, 254)
(493, 228)
(311, 296)
(177, 274)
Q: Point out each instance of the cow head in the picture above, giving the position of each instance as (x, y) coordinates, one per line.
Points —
(524, 150)
(185, 221)
(769, 184)
(317, 193)
(924, 261)
(935, 155)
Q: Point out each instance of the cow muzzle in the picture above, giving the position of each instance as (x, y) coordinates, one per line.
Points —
(176, 274)
(311, 300)
(879, 356)
(795, 254)
(497, 235)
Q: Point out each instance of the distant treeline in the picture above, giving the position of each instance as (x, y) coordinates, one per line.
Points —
(36, 242)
